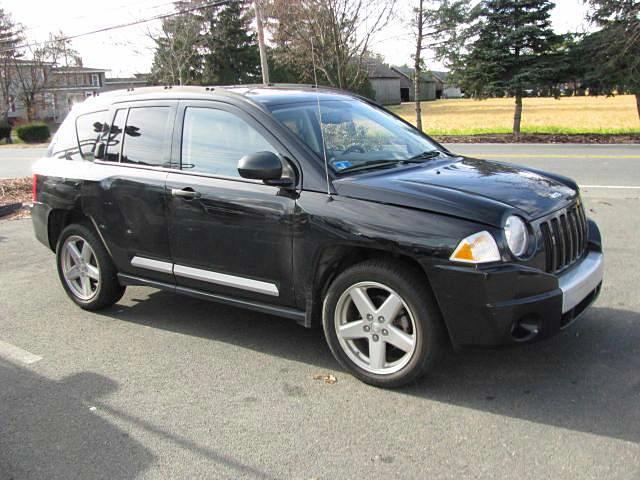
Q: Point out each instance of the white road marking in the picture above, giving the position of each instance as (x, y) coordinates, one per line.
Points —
(619, 187)
(11, 352)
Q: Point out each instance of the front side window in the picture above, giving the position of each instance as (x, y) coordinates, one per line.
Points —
(354, 132)
(147, 136)
(214, 140)
(89, 128)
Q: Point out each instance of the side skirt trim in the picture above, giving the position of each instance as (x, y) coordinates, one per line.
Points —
(150, 264)
(209, 276)
(292, 313)
(226, 280)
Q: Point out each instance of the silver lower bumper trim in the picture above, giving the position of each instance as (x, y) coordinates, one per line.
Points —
(581, 280)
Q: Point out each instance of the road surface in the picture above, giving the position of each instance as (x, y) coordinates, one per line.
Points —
(17, 161)
(162, 386)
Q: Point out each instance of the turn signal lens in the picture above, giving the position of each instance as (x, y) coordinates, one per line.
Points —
(480, 247)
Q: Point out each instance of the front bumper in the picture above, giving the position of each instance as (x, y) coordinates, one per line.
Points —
(509, 304)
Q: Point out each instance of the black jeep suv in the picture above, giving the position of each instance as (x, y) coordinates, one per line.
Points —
(319, 206)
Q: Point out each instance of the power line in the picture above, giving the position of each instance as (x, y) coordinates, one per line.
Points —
(121, 25)
(140, 7)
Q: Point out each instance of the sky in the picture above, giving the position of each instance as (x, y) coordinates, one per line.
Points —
(129, 50)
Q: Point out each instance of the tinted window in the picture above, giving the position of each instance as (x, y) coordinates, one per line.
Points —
(65, 143)
(214, 140)
(114, 136)
(90, 127)
(147, 136)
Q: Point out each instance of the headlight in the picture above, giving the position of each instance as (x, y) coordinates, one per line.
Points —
(515, 230)
(480, 247)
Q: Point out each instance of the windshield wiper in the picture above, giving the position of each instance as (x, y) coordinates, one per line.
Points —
(426, 155)
(369, 164)
(399, 161)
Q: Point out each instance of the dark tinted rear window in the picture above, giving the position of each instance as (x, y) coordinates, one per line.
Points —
(147, 136)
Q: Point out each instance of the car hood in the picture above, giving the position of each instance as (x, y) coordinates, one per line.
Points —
(478, 190)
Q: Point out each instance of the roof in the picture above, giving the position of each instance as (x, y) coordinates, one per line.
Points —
(265, 95)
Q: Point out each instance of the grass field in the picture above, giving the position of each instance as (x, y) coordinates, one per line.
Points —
(569, 115)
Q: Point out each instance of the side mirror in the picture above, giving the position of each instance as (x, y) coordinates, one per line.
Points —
(263, 166)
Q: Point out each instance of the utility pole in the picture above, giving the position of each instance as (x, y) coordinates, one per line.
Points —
(263, 51)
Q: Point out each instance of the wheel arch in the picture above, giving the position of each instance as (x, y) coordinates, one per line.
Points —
(335, 259)
(61, 218)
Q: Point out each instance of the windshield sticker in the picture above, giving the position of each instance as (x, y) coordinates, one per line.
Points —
(341, 165)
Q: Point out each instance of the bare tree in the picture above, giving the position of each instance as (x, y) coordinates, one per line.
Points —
(32, 78)
(177, 44)
(332, 35)
(60, 50)
(434, 25)
(10, 38)
(33, 70)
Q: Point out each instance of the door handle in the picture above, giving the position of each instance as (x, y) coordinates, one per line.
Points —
(186, 193)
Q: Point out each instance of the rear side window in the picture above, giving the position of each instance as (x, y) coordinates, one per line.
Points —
(90, 127)
(147, 136)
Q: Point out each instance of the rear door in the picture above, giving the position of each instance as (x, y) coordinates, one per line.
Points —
(228, 235)
(126, 195)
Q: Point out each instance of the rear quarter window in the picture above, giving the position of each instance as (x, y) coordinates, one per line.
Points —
(89, 128)
(65, 142)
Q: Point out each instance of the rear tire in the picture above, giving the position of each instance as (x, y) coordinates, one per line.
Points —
(382, 323)
(85, 269)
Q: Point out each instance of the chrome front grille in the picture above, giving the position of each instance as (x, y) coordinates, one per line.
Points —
(565, 237)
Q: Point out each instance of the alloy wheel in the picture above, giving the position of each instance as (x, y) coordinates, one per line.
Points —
(375, 328)
(80, 268)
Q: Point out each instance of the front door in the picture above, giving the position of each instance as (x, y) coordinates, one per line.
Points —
(228, 235)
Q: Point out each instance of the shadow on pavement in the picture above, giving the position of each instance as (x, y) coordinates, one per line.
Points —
(265, 333)
(585, 379)
(48, 431)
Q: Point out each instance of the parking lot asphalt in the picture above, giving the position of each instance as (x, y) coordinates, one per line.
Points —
(162, 386)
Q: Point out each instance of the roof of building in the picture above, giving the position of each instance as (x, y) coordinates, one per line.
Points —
(117, 80)
(79, 70)
(377, 69)
(428, 75)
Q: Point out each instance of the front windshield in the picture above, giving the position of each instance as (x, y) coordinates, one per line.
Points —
(356, 134)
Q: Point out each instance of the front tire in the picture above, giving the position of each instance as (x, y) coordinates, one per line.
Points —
(382, 324)
(86, 271)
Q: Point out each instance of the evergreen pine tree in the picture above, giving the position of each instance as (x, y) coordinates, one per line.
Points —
(231, 50)
(511, 41)
(177, 60)
(611, 55)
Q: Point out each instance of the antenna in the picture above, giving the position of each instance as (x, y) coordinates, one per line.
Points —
(324, 146)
